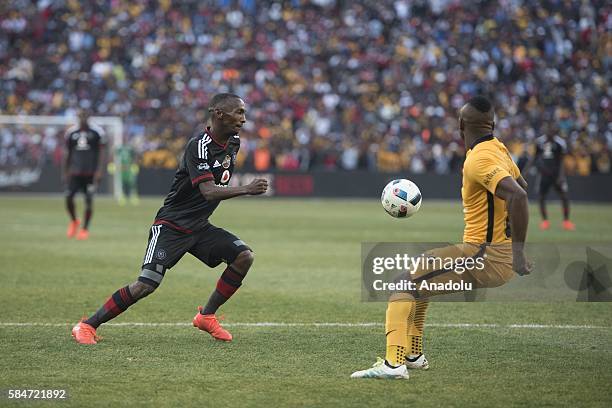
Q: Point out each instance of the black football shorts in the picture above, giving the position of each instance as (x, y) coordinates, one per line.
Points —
(545, 182)
(211, 245)
(81, 183)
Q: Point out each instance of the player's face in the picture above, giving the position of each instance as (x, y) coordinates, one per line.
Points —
(233, 116)
(83, 118)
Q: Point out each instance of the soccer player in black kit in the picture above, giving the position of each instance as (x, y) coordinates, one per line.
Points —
(181, 225)
(85, 156)
(548, 160)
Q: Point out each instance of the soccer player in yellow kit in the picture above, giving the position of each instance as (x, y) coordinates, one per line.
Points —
(496, 218)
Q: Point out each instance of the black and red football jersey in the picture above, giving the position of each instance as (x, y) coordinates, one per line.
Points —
(204, 159)
(84, 146)
(549, 155)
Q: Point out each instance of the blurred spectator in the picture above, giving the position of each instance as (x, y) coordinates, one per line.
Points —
(329, 84)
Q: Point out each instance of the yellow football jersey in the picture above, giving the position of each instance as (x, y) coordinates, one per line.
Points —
(485, 214)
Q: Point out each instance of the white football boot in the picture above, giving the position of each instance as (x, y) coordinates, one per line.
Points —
(381, 370)
(420, 363)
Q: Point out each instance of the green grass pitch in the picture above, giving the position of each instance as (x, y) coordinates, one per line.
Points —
(307, 270)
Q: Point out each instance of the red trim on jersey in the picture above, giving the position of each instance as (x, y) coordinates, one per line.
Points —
(203, 177)
(212, 136)
(173, 226)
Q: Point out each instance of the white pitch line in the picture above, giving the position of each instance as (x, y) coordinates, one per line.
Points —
(332, 324)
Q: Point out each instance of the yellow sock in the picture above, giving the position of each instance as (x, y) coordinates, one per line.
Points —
(395, 329)
(415, 328)
(396, 355)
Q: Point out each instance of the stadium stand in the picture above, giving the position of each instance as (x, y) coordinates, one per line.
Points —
(330, 84)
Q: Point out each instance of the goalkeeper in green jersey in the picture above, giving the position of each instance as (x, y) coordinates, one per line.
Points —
(126, 165)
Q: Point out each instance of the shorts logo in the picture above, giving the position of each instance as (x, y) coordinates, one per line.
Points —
(203, 166)
(161, 254)
(217, 164)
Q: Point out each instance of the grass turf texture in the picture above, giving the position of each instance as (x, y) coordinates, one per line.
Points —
(307, 269)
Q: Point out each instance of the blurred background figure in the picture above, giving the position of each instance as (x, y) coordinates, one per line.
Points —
(85, 158)
(550, 151)
(126, 164)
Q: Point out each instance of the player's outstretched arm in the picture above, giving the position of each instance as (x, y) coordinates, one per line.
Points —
(212, 192)
(515, 197)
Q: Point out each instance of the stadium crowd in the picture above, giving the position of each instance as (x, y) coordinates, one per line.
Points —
(329, 84)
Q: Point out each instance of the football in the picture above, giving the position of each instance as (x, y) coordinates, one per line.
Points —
(401, 198)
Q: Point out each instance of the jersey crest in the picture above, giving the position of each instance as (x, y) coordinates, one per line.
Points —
(226, 162)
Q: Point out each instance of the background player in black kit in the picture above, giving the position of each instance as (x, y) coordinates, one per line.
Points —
(182, 226)
(85, 156)
(549, 152)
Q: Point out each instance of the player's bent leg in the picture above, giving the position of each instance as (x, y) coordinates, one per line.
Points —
(229, 282)
(85, 331)
(402, 310)
(119, 302)
(214, 246)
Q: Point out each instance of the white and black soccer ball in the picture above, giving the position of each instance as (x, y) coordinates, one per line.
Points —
(401, 198)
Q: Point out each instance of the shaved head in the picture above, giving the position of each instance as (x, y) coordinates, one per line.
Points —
(223, 101)
(477, 117)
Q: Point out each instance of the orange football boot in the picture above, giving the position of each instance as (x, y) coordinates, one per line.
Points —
(568, 225)
(544, 225)
(73, 226)
(210, 324)
(82, 235)
(84, 333)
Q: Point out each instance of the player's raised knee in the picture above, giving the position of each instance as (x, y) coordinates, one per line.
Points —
(141, 289)
(244, 260)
